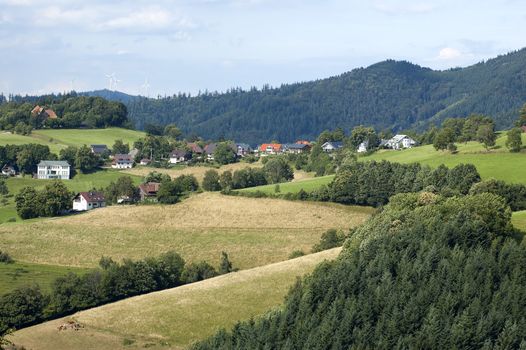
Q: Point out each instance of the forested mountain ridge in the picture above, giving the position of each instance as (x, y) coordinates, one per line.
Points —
(391, 94)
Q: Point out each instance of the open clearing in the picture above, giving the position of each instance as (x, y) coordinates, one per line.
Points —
(307, 184)
(58, 139)
(519, 220)
(175, 318)
(254, 232)
(18, 274)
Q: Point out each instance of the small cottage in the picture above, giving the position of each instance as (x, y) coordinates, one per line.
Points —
(88, 200)
(148, 191)
(122, 161)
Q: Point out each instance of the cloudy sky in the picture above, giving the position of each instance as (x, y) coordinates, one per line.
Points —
(192, 45)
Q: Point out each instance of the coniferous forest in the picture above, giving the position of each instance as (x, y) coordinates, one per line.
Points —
(387, 95)
(428, 272)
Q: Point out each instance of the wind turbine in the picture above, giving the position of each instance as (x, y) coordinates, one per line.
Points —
(146, 87)
(115, 82)
(112, 80)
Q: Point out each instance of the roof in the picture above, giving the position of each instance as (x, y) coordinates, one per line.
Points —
(334, 144)
(243, 145)
(303, 142)
(178, 153)
(275, 146)
(295, 146)
(149, 188)
(210, 148)
(53, 162)
(37, 110)
(123, 158)
(146, 160)
(99, 148)
(51, 114)
(92, 196)
(194, 147)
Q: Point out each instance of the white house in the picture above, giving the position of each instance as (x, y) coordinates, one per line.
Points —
(362, 147)
(179, 156)
(122, 161)
(88, 200)
(399, 142)
(331, 146)
(53, 169)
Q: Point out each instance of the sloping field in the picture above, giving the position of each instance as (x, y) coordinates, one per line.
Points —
(197, 171)
(176, 317)
(254, 232)
(519, 220)
(307, 184)
(497, 163)
(58, 139)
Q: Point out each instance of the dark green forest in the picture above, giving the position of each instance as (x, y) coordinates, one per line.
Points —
(387, 95)
(428, 272)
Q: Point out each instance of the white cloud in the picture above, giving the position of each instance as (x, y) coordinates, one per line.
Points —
(149, 18)
(449, 53)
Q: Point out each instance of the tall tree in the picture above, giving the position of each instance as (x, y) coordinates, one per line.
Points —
(486, 135)
(514, 140)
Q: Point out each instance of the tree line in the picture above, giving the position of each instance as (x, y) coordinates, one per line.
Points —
(427, 272)
(110, 282)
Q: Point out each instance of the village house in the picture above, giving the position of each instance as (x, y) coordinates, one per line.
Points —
(243, 149)
(53, 169)
(145, 161)
(99, 149)
(122, 161)
(399, 142)
(270, 148)
(195, 148)
(8, 170)
(42, 113)
(179, 156)
(295, 148)
(88, 200)
(209, 151)
(362, 147)
(148, 191)
(331, 146)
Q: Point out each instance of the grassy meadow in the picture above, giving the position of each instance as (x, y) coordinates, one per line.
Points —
(58, 139)
(81, 182)
(307, 184)
(519, 220)
(175, 318)
(254, 232)
(18, 274)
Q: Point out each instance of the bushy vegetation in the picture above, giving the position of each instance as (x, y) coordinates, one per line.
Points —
(112, 281)
(72, 111)
(53, 200)
(427, 272)
(25, 157)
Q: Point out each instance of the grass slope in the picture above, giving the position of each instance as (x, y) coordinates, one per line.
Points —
(81, 182)
(498, 163)
(176, 317)
(18, 274)
(58, 139)
(308, 184)
(519, 220)
(254, 232)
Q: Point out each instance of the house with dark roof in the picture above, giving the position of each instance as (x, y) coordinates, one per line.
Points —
(295, 148)
(88, 200)
(179, 156)
(331, 146)
(53, 169)
(243, 149)
(122, 161)
(8, 170)
(148, 191)
(99, 149)
(195, 148)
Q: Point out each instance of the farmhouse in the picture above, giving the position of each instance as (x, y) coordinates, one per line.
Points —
(179, 156)
(195, 148)
(8, 170)
(242, 149)
(362, 147)
(331, 146)
(88, 200)
(99, 149)
(145, 161)
(122, 161)
(270, 148)
(148, 191)
(209, 150)
(53, 169)
(41, 112)
(399, 141)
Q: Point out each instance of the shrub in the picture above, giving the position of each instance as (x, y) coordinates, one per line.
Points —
(5, 258)
(296, 254)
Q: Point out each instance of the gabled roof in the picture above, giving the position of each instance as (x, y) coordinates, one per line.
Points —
(300, 146)
(194, 147)
(37, 110)
(275, 146)
(53, 162)
(178, 153)
(149, 188)
(303, 142)
(210, 148)
(51, 114)
(334, 144)
(92, 196)
(99, 148)
(243, 145)
(122, 158)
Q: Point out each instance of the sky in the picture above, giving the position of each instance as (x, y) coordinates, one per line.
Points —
(165, 47)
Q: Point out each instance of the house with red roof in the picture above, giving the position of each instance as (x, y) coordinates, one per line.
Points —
(270, 148)
(88, 200)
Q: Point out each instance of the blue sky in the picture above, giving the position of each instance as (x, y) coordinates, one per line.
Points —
(191, 45)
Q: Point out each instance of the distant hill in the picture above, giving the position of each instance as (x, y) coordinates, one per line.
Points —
(393, 95)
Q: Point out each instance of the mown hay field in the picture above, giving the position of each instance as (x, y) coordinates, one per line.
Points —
(176, 317)
(254, 232)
